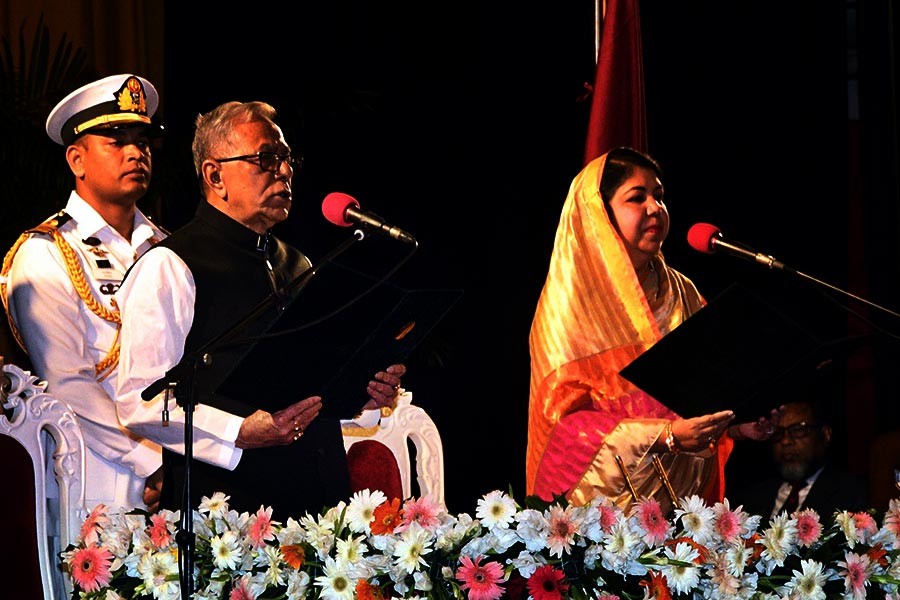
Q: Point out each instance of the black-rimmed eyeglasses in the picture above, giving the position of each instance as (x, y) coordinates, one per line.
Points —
(797, 431)
(269, 161)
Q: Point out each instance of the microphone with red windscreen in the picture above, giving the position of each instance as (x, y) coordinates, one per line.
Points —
(707, 238)
(343, 210)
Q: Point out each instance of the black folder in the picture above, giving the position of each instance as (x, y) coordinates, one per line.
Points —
(340, 329)
(726, 357)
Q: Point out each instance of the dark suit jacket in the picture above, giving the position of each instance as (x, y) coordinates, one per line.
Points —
(833, 490)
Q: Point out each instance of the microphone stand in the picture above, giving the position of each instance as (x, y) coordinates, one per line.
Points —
(770, 262)
(181, 377)
(837, 289)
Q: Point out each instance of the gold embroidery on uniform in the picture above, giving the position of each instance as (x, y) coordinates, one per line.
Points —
(76, 274)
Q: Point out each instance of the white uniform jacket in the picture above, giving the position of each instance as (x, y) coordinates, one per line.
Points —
(65, 339)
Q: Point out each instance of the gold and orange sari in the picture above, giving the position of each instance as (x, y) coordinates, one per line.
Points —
(593, 318)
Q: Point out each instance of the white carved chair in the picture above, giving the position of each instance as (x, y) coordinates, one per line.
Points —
(48, 431)
(369, 437)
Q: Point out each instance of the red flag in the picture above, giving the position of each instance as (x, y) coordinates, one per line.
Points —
(618, 115)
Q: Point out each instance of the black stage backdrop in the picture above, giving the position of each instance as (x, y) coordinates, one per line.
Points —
(464, 124)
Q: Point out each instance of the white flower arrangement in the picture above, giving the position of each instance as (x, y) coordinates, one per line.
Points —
(373, 548)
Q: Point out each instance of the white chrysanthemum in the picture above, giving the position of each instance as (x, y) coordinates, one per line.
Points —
(682, 578)
(848, 526)
(526, 563)
(696, 518)
(215, 507)
(503, 539)
(361, 510)
(531, 527)
(234, 521)
(422, 582)
(620, 546)
(159, 573)
(319, 534)
(297, 585)
(270, 558)
(352, 552)
(336, 584)
(226, 550)
(807, 584)
(496, 510)
(736, 557)
(448, 535)
(414, 543)
(291, 533)
(592, 527)
(778, 541)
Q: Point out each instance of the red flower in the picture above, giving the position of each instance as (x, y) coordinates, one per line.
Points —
(367, 591)
(481, 581)
(90, 568)
(386, 517)
(657, 587)
(294, 555)
(547, 583)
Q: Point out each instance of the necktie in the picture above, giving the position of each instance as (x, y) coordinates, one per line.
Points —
(793, 499)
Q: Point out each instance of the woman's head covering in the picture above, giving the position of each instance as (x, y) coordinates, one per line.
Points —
(592, 319)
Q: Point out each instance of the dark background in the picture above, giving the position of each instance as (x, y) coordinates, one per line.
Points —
(464, 124)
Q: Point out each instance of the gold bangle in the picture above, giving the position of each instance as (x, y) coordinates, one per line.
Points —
(671, 442)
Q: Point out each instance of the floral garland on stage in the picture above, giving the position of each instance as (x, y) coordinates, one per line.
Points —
(372, 548)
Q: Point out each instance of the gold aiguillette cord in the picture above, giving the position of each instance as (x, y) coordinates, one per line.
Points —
(661, 473)
(627, 478)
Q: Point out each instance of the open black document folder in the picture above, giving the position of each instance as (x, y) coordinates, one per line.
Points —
(341, 329)
(724, 357)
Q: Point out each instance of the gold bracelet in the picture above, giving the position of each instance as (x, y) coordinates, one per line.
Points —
(671, 442)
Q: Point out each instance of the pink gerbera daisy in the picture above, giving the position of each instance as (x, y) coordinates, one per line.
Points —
(562, 526)
(729, 524)
(865, 526)
(90, 568)
(482, 581)
(261, 528)
(241, 590)
(422, 511)
(93, 525)
(159, 531)
(547, 583)
(892, 519)
(856, 575)
(808, 527)
(652, 521)
(608, 515)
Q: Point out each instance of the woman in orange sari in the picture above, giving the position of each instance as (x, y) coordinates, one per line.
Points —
(609, 295)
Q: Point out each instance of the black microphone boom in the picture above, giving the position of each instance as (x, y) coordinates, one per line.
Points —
(360, 216)
(707, 238)
(765, 259)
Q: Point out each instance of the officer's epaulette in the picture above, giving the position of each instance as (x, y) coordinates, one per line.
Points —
(54, 222)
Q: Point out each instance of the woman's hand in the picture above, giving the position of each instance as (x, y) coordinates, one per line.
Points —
(759, 430)
(699, 433)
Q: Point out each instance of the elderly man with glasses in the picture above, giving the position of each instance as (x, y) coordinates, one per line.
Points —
(257, 447)
(806, 477)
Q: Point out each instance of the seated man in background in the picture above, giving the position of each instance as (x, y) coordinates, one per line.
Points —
(806, 475)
